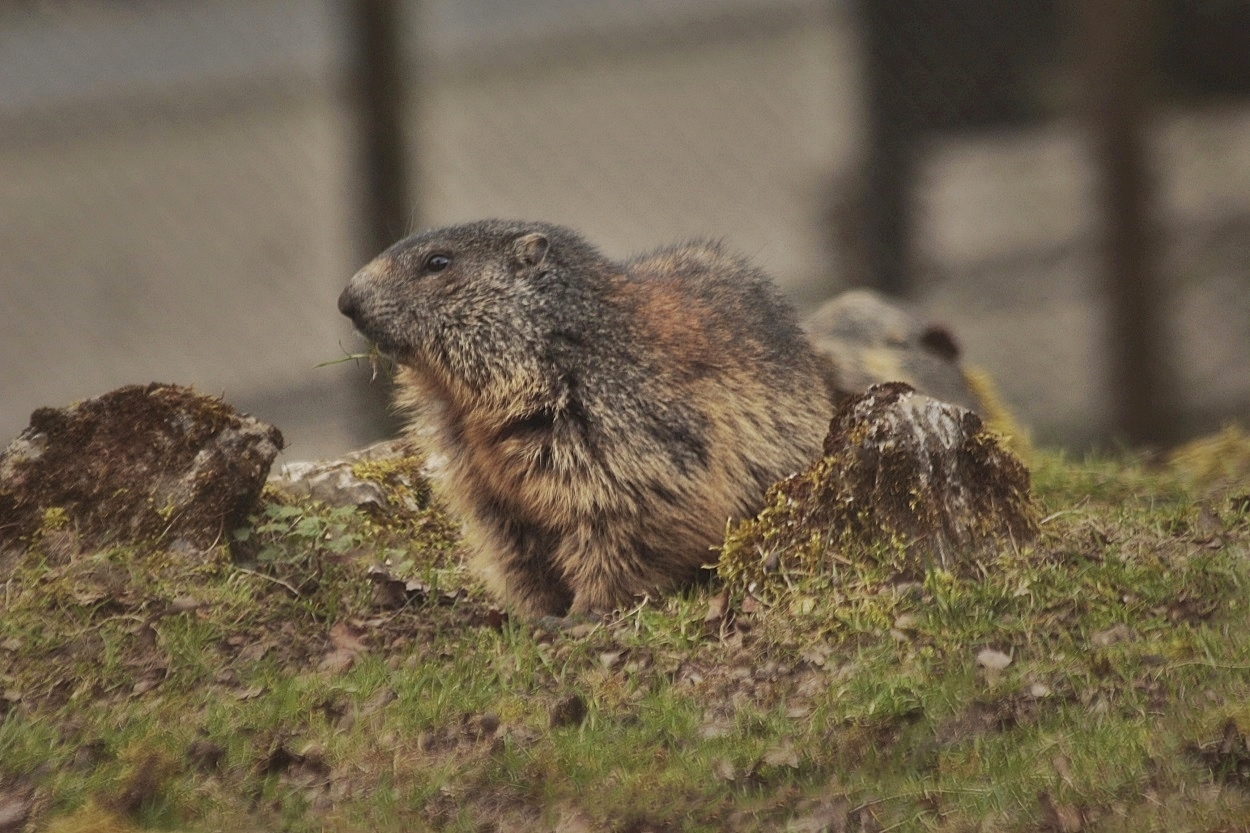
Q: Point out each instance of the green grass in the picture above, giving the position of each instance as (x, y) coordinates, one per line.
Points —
(143, 689)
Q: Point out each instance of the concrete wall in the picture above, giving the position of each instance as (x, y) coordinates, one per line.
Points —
(178, 192)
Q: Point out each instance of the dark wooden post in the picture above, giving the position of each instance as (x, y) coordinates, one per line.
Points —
(386, 207)
(892, 129)
(1119, 37)
(381, 90)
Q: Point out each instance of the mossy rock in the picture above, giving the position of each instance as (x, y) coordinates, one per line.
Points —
(143, 463)
(906, 480)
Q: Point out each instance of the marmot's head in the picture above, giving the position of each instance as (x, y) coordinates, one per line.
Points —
(476, 304)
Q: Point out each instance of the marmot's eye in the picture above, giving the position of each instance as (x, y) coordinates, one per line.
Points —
(436, 262)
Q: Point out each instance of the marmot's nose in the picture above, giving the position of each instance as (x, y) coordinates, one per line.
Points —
(347, 303)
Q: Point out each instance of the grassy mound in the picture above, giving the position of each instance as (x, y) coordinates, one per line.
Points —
(341, 671)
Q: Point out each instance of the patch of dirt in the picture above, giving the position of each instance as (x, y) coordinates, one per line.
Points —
(1228, 757)
(987, 716)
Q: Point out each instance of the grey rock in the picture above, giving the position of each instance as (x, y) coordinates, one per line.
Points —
(333, 482)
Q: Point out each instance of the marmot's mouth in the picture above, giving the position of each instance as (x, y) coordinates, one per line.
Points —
(379, 345)
(383, 352)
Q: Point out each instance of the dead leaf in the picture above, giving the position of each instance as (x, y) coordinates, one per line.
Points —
(143, 686)
(581, 630)
(798, 711)
(1063, 768)
(724, 769)
(717, 606)
(719, 620)
(346, 646)
(184, 604)
(1110, 636)
(717, 728)
(337, 661)
(817, 655)
(782, 754)
(255, 651)
(346, 637)
(906, 622)
(16, 801)
(1060, 818)
(993, 660)
(392, 593)
(638, 663)
(375, 703)
(828, 816)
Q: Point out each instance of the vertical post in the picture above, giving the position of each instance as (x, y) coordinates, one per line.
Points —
(891, 141)
(1119, 36)
(379, 91)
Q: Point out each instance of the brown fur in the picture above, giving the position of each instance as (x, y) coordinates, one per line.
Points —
(595, 424)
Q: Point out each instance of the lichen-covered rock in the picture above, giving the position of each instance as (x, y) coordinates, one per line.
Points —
(904, 478)
(154, 463)
(387, 478)
(336, 482)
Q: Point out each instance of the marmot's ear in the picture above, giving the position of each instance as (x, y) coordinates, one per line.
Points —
(530, 249)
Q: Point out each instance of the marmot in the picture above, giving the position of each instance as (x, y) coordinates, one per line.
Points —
(594, 424)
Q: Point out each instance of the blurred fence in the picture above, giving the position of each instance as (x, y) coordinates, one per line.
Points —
(187, 185)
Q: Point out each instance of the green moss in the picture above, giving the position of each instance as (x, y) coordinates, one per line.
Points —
(413, 516)
(54, 518)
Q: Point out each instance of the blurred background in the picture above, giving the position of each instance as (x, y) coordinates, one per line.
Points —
(185, 186)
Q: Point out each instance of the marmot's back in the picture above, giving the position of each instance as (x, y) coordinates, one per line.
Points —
(722, 336)
(599, 422)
